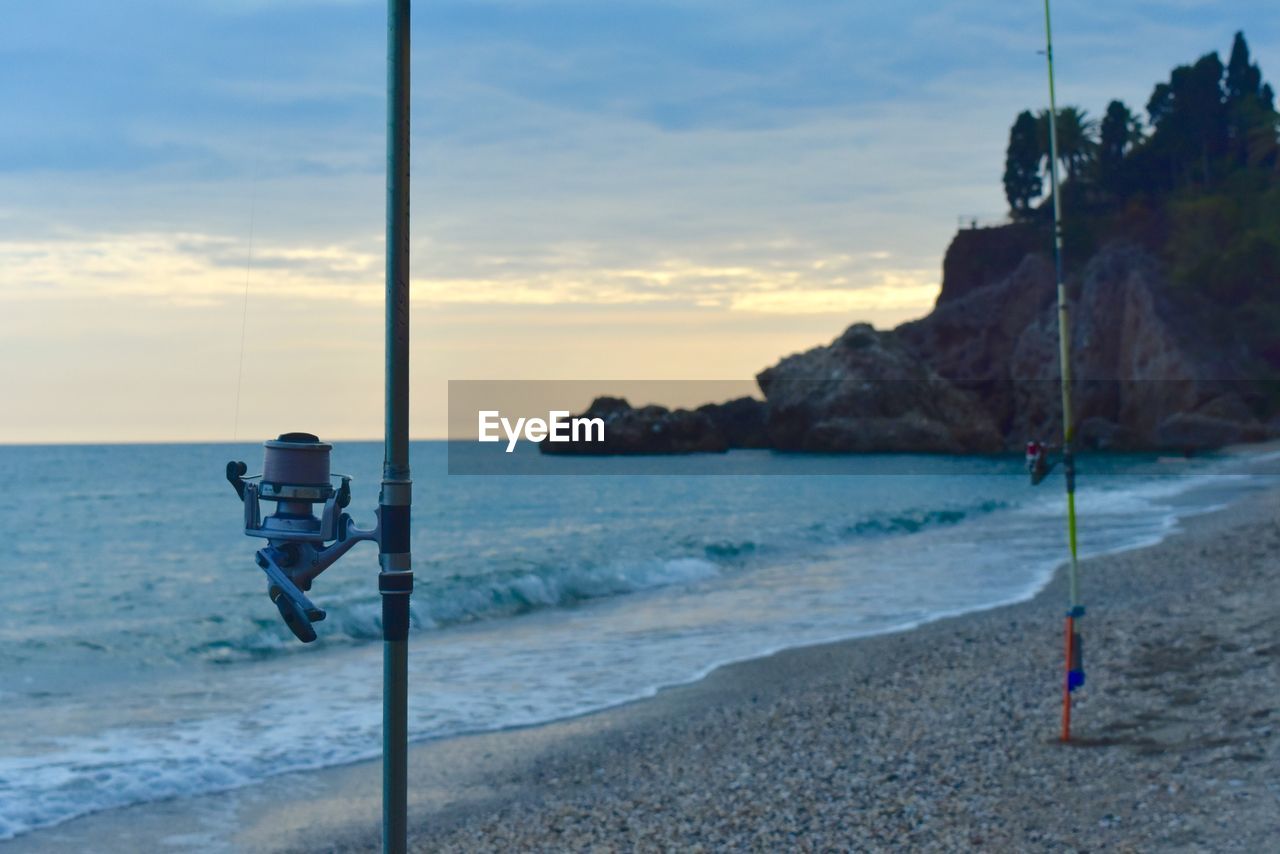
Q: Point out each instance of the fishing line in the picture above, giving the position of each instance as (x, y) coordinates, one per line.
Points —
(248, 264)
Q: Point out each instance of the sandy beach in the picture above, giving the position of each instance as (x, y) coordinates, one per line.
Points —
(941, 738)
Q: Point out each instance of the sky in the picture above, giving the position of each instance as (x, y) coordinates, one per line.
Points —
(192, 194)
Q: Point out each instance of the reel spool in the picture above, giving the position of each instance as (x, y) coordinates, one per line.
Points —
(301, 545)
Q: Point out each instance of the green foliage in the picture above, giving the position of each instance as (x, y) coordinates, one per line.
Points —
(1119, 131)
(1243, 77)
(1226, 245)
(1205, 122)
(1200, 187)
(1249, 267)
(1223, 252)
(1189, 119)
(1076, 144)
(1250, 110)
(1022, 182)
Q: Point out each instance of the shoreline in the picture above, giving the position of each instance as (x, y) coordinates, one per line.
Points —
(1171, 693)
(461, 784)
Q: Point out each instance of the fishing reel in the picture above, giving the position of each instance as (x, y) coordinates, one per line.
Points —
(300, 544)
(1037, 462)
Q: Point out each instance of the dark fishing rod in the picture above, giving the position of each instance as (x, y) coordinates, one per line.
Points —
(296, 477)
(395, 581)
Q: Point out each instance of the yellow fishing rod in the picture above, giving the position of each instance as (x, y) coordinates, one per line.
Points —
(1073, 671)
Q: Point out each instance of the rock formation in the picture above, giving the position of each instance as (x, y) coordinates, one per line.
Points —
(980, 372)
(645, 430)
(742, 422)
(867, 391)
(1140, 378)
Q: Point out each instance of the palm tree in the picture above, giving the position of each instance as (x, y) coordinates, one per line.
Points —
(1077, 144)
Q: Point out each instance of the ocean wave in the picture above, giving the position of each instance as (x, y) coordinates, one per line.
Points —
(452, 601)
(441, 603)
(729, 551)
(901, 523)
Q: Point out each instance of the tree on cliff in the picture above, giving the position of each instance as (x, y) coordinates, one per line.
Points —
(1206, 122)
(1244, 79)
(1076, 145)
(1250, 108)
(1119, 131)
(1022, 181)
(1200, 189)
(1189, 118)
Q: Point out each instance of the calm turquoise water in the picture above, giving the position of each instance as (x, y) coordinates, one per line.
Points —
(140, 658)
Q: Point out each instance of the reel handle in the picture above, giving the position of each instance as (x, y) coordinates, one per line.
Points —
(294, 617)
(297, 610)
(236, 471)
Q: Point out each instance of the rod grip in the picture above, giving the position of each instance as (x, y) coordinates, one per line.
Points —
(395, 588)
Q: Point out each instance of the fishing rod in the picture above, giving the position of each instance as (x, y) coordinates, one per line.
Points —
(296, 477)
(1073, 675)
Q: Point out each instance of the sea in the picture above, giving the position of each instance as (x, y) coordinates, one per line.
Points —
(140, 658)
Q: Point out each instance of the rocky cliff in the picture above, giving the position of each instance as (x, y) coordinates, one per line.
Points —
(1142, 379)
(980, 372)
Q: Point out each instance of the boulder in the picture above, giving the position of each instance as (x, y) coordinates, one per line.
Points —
(1192, 431)
(1100, 434)
(644, 430)
(741, 421)
(867, 391)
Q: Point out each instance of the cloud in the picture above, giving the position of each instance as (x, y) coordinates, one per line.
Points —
(181, 268)
(200, 269)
